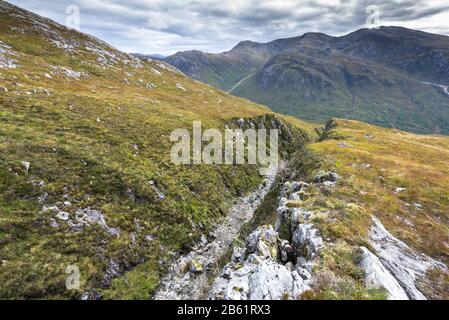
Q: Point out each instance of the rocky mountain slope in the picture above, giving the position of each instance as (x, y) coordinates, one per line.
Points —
(393, 77)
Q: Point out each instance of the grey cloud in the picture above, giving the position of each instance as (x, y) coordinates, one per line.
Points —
(167, 26)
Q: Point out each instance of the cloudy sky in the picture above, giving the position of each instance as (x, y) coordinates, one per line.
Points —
(168, 26)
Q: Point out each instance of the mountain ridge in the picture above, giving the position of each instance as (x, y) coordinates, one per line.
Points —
(315, 76)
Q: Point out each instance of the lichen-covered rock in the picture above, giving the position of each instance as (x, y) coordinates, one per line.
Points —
(263, 241)
(87, 217)
(259, 280)
(271, 267)
(112, 271)
(404, 263)
(295, 196)
(377, 276)
(273, 281)
(266, 273)
(196, 266)
(323, 176)
(306, 241)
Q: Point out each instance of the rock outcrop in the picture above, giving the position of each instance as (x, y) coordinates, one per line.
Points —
(403, 262)
(377, 276)
(269, 267)
(261, 271)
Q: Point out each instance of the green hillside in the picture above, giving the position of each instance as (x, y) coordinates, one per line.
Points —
(86, 127)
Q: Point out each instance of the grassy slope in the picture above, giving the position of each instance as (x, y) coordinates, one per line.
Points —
(97, 142)
(372, 162)
(396, 159)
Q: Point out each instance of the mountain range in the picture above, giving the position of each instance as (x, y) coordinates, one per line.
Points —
(391, 76)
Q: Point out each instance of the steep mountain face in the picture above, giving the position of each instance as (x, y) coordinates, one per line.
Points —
(220, 71)
(422, 55)
(86, 180)
(392, 76)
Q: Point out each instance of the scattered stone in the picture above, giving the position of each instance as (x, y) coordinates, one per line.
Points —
(296, 196)
(92, 295)
(54, 223)
(87, 217)
(26, 165)
(344, 144)
(131, 195)
(50, 208)
(158, 192)
(156, 72)
(62, 215)
(306, 241)
(151, 85)
(417, 205)
(323, 176)
(181, 87)
(68, 73)
(112, 271)
(263, 242)
(43, 197)
(6, 54)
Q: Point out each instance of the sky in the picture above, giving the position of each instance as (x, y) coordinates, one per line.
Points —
(168, 26)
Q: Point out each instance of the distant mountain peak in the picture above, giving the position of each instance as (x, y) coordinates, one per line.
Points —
(246, 43)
